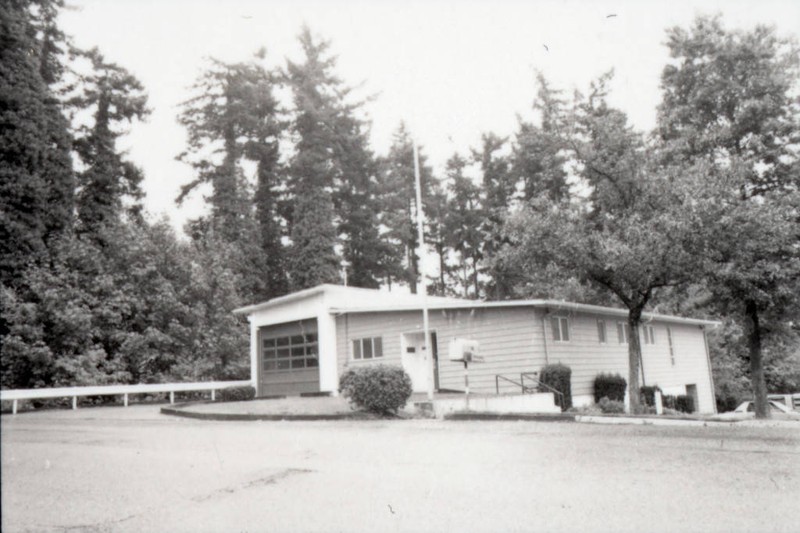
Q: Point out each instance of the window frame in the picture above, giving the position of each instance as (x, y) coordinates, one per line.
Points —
(602, 331)
(623, 332)
(649, 334)
(671, 343)
(289, 353)
(563, 326)
(375, 348)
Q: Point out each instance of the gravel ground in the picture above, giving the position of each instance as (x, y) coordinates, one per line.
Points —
(115, 469)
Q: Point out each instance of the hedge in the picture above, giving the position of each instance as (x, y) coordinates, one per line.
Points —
(648, 394)
(611, 406)
(558, 377)
(684, 403)
(609, 386)
(236, 394)
(381, 389)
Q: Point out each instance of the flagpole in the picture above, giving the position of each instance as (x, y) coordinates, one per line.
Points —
(423, 280)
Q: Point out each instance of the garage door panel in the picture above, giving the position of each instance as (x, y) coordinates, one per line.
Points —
(289, 358)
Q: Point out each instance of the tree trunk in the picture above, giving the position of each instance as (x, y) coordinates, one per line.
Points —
(759, 384)
(634, 358)
(475, 281)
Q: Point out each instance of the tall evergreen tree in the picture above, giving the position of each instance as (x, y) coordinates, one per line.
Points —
(465, 216)
(313, 171)
(399, 204)
(34, 159)
(115, 98)
(498, 190)
(235, 117)
(57, 167)
(537, 158)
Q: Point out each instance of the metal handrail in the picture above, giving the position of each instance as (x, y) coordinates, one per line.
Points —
(535, 378)
(498, 377)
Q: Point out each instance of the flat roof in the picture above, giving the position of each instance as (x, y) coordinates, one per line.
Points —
(557, 305)
(342, 292)
(415, 302)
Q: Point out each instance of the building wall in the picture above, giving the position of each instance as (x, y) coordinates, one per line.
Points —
(512, 341)
(509, 340)
(587, 357)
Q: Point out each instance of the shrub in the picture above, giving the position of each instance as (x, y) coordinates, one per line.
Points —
(236, 394)
(727, 402)
(648, 394)
(558, 377)
(669, 401)
(611, 406)
(609, 386)
(684, 403)
(380, 389)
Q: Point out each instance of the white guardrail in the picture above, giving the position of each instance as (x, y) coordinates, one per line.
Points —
(117, 390)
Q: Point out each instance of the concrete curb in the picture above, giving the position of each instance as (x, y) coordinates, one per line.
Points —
(179, 411)
(534, 417)
(649, 421)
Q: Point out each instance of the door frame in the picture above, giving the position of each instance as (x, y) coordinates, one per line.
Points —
(433, 342)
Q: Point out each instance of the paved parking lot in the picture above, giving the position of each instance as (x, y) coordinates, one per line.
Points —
(115, 469)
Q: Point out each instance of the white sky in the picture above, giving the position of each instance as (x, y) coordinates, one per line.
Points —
(451, 70)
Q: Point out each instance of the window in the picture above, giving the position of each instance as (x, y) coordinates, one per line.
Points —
(368, 348)
(601, 331)
(289, 353)
(623, 332)
(560, 325)
(671, 347)
(649, 334)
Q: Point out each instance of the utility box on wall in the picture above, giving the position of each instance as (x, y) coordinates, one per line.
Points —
(465, 350)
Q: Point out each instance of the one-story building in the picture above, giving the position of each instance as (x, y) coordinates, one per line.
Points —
(303, 342)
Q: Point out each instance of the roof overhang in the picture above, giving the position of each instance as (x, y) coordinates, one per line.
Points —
(551, 305)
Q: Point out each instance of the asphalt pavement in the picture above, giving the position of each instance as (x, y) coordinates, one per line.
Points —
(133, 469)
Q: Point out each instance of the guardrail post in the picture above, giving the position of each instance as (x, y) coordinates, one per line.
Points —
(213, 394)
(14, 407)
(74, 402)
(125, 399)
(171, 396)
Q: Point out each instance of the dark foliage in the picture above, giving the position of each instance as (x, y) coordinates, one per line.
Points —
(558, 377)
(236, 394)
(648, 394)
(611, 386)
(380, 389)
(611, 406)
(684, 403)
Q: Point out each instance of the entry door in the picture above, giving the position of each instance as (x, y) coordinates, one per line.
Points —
(415, 360)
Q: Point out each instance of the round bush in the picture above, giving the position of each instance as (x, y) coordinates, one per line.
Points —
(236, 394)
(558, 377)
(611, 386)
(611, 406)
(380, 389)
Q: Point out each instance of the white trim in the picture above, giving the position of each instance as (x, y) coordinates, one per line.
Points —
(552, 304)
(561, 319)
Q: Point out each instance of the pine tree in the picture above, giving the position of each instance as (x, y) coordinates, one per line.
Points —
(465, 216)
(235, 117)
(398, 201)
(498, 191)
(537, 159)
(328, 175)
(57, 166)
(110, 184)
(34, 159)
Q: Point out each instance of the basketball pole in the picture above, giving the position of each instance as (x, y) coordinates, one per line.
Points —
(423, 280)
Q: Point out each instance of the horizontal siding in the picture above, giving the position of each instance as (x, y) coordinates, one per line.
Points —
(511, 342)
